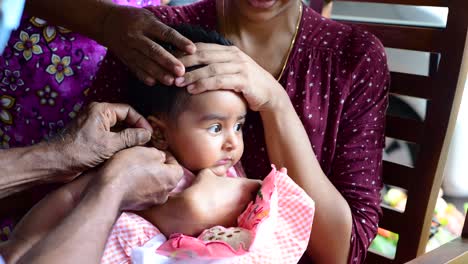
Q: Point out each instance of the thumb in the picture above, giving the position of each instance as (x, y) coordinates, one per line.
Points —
(252, 186)
(131, 137)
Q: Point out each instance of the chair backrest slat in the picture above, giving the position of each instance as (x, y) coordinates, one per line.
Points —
(391, 219)
(465, 228)
(409, 2)
(411, 85)
(404, 129)
(405, 37)
(396, 174)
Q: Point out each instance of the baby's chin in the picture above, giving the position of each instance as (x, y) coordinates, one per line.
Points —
(220, 170)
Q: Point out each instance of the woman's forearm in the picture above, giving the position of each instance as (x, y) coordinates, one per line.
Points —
(87, 227)
(289, 146)
(23, 166)
(83, 16)
(39, 220)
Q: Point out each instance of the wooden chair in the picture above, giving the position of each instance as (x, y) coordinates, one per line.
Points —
(442, 89)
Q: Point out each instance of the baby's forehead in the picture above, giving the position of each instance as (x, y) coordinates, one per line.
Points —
(218, 101)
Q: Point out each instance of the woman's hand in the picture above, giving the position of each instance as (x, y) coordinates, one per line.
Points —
(228, 68)
(129, 33)
(210, 201)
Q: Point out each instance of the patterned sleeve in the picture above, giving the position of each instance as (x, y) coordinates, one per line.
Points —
(356, 171)
(199, 13)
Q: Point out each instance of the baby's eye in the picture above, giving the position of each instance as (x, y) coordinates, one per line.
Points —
(238, 126)
(215, 128)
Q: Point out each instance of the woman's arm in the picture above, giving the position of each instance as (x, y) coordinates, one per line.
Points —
(347, 202)
(288, 146)
(42, 218)
(81, 236)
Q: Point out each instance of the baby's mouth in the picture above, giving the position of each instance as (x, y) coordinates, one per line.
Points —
(223, 162)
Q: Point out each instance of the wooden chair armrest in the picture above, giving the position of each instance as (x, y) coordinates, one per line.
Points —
(453, 252)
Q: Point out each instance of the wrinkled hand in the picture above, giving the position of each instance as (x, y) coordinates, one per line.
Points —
(229, 68)
(143, 175)
(210, 201)
(89, 140)
(129, 33)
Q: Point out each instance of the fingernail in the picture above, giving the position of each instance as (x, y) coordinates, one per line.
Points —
(168, 80)
(149, 81)
(191, 49)
(143, 136)
(179, 81)
(179, 70)
(191, 87)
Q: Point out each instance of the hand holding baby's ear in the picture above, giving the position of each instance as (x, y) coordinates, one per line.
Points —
(158, 139)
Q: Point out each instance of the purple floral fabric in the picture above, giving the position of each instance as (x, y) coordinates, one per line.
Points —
(47, 75)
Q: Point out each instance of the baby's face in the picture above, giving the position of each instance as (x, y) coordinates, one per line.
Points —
(208, 134)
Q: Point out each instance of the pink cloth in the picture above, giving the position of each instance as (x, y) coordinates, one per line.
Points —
(280, 219)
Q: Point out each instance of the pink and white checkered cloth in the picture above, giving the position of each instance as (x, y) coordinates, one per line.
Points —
(282, 239)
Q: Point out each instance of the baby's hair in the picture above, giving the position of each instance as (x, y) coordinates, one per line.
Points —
(164, 100)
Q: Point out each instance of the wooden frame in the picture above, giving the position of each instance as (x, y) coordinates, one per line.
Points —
(453, 252)
(442, 88)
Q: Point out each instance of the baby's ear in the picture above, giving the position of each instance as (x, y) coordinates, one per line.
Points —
(158, 138)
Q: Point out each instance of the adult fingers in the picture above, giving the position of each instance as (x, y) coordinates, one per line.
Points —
(130, 137)
(146, 69)
(158, 54)
(252, 186)
(211, 54)
(167, 34)
(130, 116)
(219, 82)
(208, 71)
(175, 167)
(170, 159)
